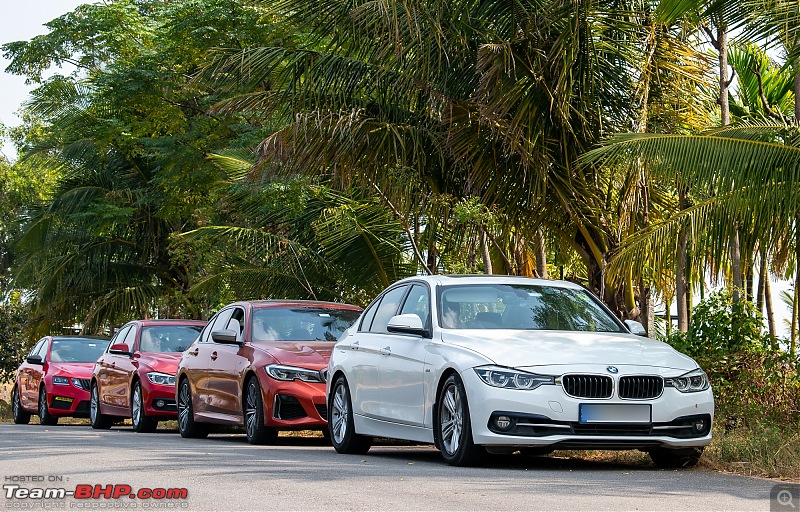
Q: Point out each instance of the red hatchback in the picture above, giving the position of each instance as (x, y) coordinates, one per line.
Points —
(261, 365)
(54, 379)
(135, 377)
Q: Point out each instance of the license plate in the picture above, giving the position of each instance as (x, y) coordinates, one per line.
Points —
(614, 413)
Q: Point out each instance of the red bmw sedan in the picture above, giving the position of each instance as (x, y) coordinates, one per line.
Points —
(135, 377)
(53, 381)
(261, 365)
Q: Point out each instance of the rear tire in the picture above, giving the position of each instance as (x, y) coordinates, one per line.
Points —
(672, 458)
(98, 420)
(45, 418)
(340, 422)
(186, 424)
(21, 416)
(139, 420)
(253, 406)
(453, 427)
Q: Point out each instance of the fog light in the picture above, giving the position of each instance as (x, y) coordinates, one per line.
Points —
(699, 425)
(503, 422)
(160, 404)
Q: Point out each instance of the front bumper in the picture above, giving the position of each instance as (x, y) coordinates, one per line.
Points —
(293, 405)
(68, 400)
(547, 416)
(159, 400)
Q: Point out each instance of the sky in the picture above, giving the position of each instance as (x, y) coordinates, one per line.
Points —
(22, 20)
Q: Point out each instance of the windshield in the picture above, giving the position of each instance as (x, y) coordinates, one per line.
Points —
(79, 350)
(531, 307)
(168, 338)
(301, 324)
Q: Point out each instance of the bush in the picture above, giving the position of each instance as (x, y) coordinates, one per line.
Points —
(750, 373)
(13, 344)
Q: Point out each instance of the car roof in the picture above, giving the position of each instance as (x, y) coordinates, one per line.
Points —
(85, 339)
(277, 303)
(452, 279)
(171, 321)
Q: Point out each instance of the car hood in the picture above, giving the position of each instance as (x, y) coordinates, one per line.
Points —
(164, 362)
(305, 354)
(78, 370)
(517, 348)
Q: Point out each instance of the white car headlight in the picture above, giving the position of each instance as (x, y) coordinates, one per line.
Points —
(163, 379)
(60, 381)
(695, 380)
(500, 377)
(281, 372)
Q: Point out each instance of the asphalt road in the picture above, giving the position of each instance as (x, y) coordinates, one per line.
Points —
(223, 472)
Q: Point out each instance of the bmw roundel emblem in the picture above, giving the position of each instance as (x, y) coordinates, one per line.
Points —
(612, 369)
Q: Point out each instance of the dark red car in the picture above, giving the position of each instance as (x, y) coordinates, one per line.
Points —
(135, 377)
(261, 365)
(54, 379)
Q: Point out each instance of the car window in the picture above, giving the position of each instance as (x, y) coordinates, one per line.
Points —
(369, 315)
(130, 338)
(76, 350)
(120, 336)
(387, 308)
(44, 349)
(218, 323)
(167, 338)
(418, 302)
(300, 323)
(236, 323)
(533, 307)
(36, 348)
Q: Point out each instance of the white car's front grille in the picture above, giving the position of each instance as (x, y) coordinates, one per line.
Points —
(641, 387)
(588, 386)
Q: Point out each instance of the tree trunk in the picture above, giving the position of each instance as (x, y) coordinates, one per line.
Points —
(680, 273)
(769, 307)
(487, 257)
(541, 254)
(736, 266)
(647, 316)
(762, 276)
(724, 80)
(796, 308)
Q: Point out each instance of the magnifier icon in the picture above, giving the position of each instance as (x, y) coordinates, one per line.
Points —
(785, 498)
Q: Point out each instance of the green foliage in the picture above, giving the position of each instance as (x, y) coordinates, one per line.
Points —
(13, 341)
(749, 371)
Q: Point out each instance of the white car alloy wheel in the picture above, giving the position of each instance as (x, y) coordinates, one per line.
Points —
(340, 419)
(452, 419)
(339, 413)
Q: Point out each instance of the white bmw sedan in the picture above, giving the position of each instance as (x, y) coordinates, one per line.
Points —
(497, 363)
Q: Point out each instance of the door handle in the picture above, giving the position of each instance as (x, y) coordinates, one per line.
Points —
(386, 351)
(354, 345)
(195, 352)
(214, 356)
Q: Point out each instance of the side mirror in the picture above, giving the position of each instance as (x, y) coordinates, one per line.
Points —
(120, 349)
(407, 324)
(226, 337)
(34, 360)
(635, 327)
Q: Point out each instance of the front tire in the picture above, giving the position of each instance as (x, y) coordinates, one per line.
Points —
(21, 416)
(340, 422)
(98, 420)
(453, 428)
(675, 458)
(45, 418)
(186, 424)
(257, 432)
(140, 421)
